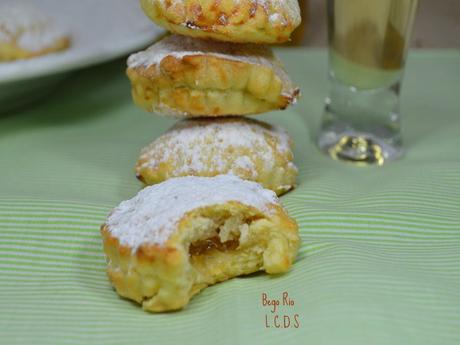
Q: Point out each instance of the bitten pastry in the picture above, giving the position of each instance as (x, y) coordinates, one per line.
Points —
(250, 149)
(186, 77)
(243, 21)
(176, 238)
(25, 32)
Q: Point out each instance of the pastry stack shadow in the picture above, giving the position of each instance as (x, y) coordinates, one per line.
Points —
(224, 168)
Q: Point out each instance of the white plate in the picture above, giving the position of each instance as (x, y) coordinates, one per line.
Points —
(101, 30)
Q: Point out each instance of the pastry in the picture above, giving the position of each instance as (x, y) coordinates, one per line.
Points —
(250, 149)
(243, 21)
(176, 238)
(186, 77)
(25, 32)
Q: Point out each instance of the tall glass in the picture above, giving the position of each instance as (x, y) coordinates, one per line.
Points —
(368, 44)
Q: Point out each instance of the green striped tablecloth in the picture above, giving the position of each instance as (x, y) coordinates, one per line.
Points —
(379, 262)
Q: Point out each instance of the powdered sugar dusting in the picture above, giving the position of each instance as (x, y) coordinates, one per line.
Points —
(210, 145)
(151, 217)
(283, 11)
(181, 46)
(244, 163)
(28, 27)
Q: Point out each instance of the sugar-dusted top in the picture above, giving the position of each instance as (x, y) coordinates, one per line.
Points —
(281, 10)
(152, 216)
(27, 26)
(181, 46)
(207, 144)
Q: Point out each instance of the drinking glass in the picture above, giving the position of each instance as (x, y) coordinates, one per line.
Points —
(368, 44)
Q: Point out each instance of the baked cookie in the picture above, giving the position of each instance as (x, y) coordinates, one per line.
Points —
(25, 32)
(186, 77)
(250, 149)
(176, 238)
(242, 21)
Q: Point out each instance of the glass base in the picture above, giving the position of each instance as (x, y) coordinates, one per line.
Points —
(358, 148)
(361, 126)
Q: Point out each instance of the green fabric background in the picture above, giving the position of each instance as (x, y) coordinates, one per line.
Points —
(380, 257)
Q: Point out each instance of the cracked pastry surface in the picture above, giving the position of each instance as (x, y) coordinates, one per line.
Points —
(186, 77)
(243, 21)
(176, 238)
(26, 32)
(250, 149)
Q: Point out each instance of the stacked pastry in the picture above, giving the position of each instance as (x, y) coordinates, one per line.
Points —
(215, 67)
(207, 217)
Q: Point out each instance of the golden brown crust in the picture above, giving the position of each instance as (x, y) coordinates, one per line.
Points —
(165, 277)
(208, 85)
(260, 21)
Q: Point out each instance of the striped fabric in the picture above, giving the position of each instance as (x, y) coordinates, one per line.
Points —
(380, 257)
